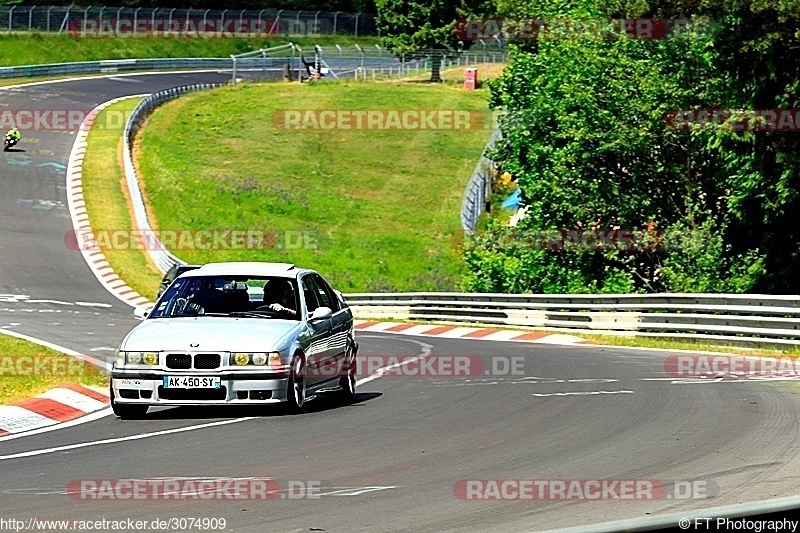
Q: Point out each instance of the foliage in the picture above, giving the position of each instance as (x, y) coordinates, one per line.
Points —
(416, 28)
(586, 138)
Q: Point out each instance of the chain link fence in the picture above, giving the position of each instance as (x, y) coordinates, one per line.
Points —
(366, 63)
(136, 22)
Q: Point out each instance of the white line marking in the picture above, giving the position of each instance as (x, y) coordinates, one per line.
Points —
(355, 491)
(426, 351)
(46, 451)
(56, 347)
(587, 393)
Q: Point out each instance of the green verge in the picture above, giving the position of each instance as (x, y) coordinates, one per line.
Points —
(40, 48)
(27, 369)
(379, 209)
(687, 344)
(107, 204)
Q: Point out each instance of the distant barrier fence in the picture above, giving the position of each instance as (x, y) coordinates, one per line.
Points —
(66, 19)
(359, 62)
(728, 318)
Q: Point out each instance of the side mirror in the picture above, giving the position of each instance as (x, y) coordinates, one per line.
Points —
(320, 313)
(142, 312)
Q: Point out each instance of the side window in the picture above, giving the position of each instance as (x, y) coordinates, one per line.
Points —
(309, 293)
(327, 297)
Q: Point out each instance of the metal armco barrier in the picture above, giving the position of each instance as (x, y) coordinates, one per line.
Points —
(111, 66)
(160, 255)
(731, 318)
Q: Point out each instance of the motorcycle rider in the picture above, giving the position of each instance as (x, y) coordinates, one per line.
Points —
(14, 135)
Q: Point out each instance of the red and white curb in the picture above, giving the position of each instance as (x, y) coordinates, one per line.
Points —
(461, 332)
(62, 404)
(80, 219)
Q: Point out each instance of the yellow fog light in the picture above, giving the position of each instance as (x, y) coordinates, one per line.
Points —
(150, 358)
(259, 358)
(275, 359)
(241, 359)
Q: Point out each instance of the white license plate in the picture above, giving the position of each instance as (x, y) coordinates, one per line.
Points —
(190, 382)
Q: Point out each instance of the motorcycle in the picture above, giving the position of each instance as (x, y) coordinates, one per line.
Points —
(9, 142)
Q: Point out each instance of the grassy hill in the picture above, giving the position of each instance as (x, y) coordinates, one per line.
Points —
(371, 209)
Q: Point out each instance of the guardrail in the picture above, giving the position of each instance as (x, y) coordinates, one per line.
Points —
(479, 187)
(111, 66)
(729, 318)
(160, 255)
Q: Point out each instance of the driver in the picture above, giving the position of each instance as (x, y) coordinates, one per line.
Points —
(282, 293)
(14, 134)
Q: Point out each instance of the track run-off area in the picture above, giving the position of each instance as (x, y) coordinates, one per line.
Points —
(540, 437)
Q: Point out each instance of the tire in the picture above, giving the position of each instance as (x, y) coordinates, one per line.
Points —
(296, 388)
(127, 411)
(348, 382)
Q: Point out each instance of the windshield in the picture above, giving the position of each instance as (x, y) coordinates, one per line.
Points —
(230, 296)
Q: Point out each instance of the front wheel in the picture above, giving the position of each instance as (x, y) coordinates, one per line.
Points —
(127, 411)
(296, 388)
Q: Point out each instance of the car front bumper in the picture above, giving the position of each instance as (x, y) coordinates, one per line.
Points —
(147, 388)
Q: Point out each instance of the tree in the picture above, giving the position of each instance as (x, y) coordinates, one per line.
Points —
(419, 29)
(586, 137)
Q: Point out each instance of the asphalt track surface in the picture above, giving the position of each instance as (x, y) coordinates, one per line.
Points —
(393, 460)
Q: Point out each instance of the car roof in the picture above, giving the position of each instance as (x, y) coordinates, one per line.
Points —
(246, 268)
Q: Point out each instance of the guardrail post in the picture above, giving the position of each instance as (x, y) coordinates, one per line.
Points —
(356, 27)
(10, 14)
(335, 19)
(30, 18)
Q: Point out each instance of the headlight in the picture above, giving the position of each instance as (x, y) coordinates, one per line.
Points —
(256, 358)
(137, 358)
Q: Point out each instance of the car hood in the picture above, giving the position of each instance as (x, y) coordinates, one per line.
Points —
(218, 334)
